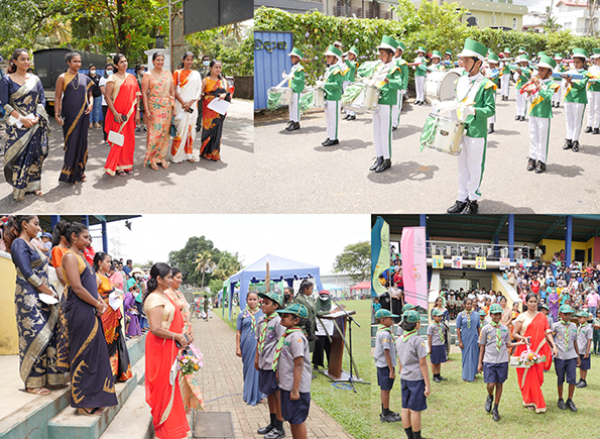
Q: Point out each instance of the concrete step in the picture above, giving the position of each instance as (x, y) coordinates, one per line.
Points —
(133, 421)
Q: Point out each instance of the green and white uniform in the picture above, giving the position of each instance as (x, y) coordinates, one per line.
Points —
(296, 83)
(388, 97)
(560, 68)
(334, 79)
(349, 77)
(540, 113)
(521, 80)
(594, 97)
(420, 73)
(575, 103)
(504, 78)
(403, 87)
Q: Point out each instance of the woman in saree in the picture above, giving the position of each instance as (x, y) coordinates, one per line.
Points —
(37, 322)
(532, 327)
(190, 391)
(163, 342)
(122, 96)
(467, 330)
(214, 86)
(111, 322)
(188, 90)
(131, 311)
(92, 384)
(246, 347)
(73, 103)
(158, 97)
(22, 97)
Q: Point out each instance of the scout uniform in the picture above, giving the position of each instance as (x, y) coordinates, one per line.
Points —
(593, 96)
(495, 357)
(333, 86)
(388, 97)
(438, 340)
(397, 109)
(384, 340)
(560, 69)
(585, 334)
(505, 78)
(479, 92)
(349, 77)
(521, 80)
(495, 78)
(296, 83)
(565, 337)
(291, 345)
(575, 103)
(540, 113)
(596, 328)
(420, 73)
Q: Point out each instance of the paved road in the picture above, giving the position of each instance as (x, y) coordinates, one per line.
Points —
(311, 178)
(199, 188)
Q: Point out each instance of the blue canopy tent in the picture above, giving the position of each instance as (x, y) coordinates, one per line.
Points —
(279, 269)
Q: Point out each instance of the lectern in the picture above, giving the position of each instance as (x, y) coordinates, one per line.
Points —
(338, 342)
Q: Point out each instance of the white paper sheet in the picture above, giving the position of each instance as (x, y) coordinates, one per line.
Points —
(218, 105)
(15, 121)
(114, 299)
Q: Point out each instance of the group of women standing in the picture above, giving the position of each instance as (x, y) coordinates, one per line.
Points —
(170, 101)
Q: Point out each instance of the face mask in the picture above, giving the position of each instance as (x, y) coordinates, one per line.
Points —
(206, 63)
(39, 235)
(93, 72)
(109, 72)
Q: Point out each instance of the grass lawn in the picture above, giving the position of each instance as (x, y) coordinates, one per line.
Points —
(455, 409)
(346, 407)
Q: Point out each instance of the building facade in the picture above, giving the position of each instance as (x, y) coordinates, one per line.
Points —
(574, 17)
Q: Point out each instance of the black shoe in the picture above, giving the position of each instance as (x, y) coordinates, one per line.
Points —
(386, 164)
(495, 415)
(394, 128)
(276, 433)
(571, 405)
(378, 161)
(488, 403)
(517, 117)
(471, 208)
(576, 146)
(331, 142)
(266, 429)
(491, 128)
(458, 207)
(561, 404)
(530, 164)
(293, 126)
(522, 118)
(352, 117)
(596, 130)
(557, 106)
(326, 141)
(552, 104)
(581, 384)
(346, 117)
(568, 144)
(391, 417)
(442, 378)
(541, 167)
(588, 130)
(437, 380)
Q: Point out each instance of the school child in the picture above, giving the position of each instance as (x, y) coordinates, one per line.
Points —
(333, 84)
(523, 73)
(437, 345)
(505, 79)
(296, 83)
(420, 73)
(268, 334)
(385, 361)
(376, 305)
(350, 76)
(575, 100)
(495, 76)
(596, 327)
(544, 309)
(397, 109)
(584, 343)
(593, 95)
(483, 318)
(436, 58)
(292, 354)
(494, 342)
(414, 375)
(406, 307)
(566, 355)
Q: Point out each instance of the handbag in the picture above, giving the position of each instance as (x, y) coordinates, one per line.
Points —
(173, 129)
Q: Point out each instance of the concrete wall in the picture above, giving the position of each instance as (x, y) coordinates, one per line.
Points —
(555, 245)
(9, 338)
(495, 14)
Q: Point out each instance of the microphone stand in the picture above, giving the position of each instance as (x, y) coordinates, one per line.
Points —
(350, 321)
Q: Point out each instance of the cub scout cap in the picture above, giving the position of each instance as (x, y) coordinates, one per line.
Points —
(408, 306)
(438, 312)
(273, 296)
(482, 313)
(295, 309)
(382, 313)
(495, 309)
(566, 309)
(411, 316)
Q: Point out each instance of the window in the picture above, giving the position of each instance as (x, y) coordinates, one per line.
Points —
(567, 25)
(493, 18)
(514, 23)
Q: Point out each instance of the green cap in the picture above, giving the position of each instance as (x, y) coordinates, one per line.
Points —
(543, 305)
(558, 56)
(401, 45)
(437, 53)
(421, 49)
(384, 313)
(492, 57)
(448, 52)
(547, 62)
(408, 306)
(473, 49)
(495, 309)
(507, 50)
(579, 53)
(273, 296)
(353, 50)
(411, 316)
(482, 313)
(333, 51)
(540, 54)
(566, 309)
(596, 53)
(523, 58)
(438, 312)
(582, 314)
(521, 49)
(296, 52)
(295, 309)
(388, 43)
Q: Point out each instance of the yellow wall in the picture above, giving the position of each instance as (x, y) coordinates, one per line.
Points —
(8, 328)
(504, 13)
(555, 245)
(497, 286)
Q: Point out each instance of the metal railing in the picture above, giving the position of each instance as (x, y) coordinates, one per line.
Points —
(492, 252)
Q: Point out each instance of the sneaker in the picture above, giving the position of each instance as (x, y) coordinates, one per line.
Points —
(488, 403)
(266, 429)
(275, 433)
(561, 404)
(571, 405)
(391, 417)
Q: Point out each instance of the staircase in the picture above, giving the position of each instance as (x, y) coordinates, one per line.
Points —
(52, 417)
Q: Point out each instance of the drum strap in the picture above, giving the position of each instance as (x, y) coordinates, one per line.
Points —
(470, 96)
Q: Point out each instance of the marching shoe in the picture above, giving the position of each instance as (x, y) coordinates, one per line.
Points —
(588, 130)
(576, 146)
(266, 429)
(571, 405)
(331, 142)
(394, 128)
(471, 208)
(352, 117)
(596, 130)
(530, 164)
(288, 124)
(293, 126)
(561, 404)
(276, 433)
(326, 141)
(458, 207)
(386, 164)
(378, 161)
(491, 128)
(568, 144)
(517, 117)
(552, 104)
(346, 117)
(541, 167)
(488, 403)
(496, 415)
(522, 118)
(557, 105)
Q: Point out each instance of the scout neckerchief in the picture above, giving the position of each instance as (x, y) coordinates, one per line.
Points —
(280, 343)
(566, 334)
(408, 335)
(498, 335)
(468, 313)
(253, 322)
(381, 328)
(263, 332)
(440, 332)
(581, 327)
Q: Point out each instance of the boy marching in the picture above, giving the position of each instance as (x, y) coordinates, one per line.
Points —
(575, 100)
(495, 76)
(333, 86)
(593, 95)
(397, 109)
(505, 78)
(420, 73)
(522, 75)
(296, 83)
(350, 76)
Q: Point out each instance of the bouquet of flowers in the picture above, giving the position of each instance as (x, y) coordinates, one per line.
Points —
(527, 359)
(190, 360)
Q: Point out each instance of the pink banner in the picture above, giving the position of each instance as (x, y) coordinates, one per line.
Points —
(414, 265)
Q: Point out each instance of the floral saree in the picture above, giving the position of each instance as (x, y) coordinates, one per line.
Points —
(160, 104)
(212, 122)
(189, 87)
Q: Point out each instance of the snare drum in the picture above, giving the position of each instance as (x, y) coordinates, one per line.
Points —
(319, 98)
(361, 98)
(278, 96)
(442, 134)
(440, 85)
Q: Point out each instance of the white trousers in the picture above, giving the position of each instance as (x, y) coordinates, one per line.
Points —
(345, 85)
(332, 118)
(471, 163)
(420, 86)
(295, 108)
(396, 110)
(493, 118)
(556, 96)
(574, 116)
(504, 83)
(382, 131)
(539, 138)
(593, 109)
(521, 103)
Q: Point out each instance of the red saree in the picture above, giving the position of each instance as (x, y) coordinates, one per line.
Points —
(120, 158)
(531, 380)
(168, 413)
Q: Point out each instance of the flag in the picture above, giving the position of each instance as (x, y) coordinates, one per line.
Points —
(414, 265)
(380, 254)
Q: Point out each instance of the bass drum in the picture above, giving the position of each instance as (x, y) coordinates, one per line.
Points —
(440, 86)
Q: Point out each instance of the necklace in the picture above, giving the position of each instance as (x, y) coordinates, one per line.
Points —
(76, 75)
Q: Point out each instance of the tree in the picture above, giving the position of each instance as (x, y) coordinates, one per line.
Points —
(205, 263)
(355, 260)
(228, 265)
(550, 22)
(185, 260)
(215, 285)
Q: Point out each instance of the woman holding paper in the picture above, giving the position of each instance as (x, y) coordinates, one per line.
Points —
(214, 86)
(22, 96)
(122, 96)
(111, 319)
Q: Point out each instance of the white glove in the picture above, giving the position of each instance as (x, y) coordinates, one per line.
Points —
(286, 76)
(320, 84)
(466, 111)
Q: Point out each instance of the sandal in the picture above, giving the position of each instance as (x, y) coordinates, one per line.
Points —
(83, 179)
(164, 164)
(191, 160)
(121, 173)
(95, 412)
(154, 166)
(41, 391)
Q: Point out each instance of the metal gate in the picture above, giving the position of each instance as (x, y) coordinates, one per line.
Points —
(270, 60)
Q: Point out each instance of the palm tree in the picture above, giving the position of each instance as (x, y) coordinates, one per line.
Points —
(228, 265)
(205, 264)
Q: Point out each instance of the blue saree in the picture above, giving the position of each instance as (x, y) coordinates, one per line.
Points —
(252, 395)
(26, 148)
(37, 322)
(470, 338)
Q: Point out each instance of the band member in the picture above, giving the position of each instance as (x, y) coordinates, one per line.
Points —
(494, 75)
(522, 75)
(333, 84)
(475, 95)
(350, 75)
(560, 68)
(448, 59)
(540, 89)
(420, 72)
(397, 109)
(388, 79)
(505, 78)
(436, 58)
(522, 51)
(575, 99)
(593, 95)
(296, 83)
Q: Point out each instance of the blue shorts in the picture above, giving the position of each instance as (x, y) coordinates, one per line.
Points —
(566, 367)
(413, 395)
(586, 363)
(267, 382)
(383, 378)
(295, 412)
(438, 354)
(495, 372)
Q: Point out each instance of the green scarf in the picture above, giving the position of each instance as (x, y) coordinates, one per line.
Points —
(581, 327)
(441, 333)
(381, 328)
(280, 343)
(253, 322)
(408, 335)
(263, 333)
(498, 335)
(566, 333)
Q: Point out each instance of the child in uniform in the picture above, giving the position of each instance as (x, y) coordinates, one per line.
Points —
(523, 73)
(575, 100)
(495, 78)
(436, 58)
(437, 345)
(566, 355)
(350, 76)
(333, 85)
(483, 318)
(414, 375)
(397, 109)
(268, 334)
(420, 73)
(296, 83)
(560, 68)
(544, 309)
(406, 307)
(584, 343)
(385, 361)
(593, 96)
(505, 79)
(596, 327)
